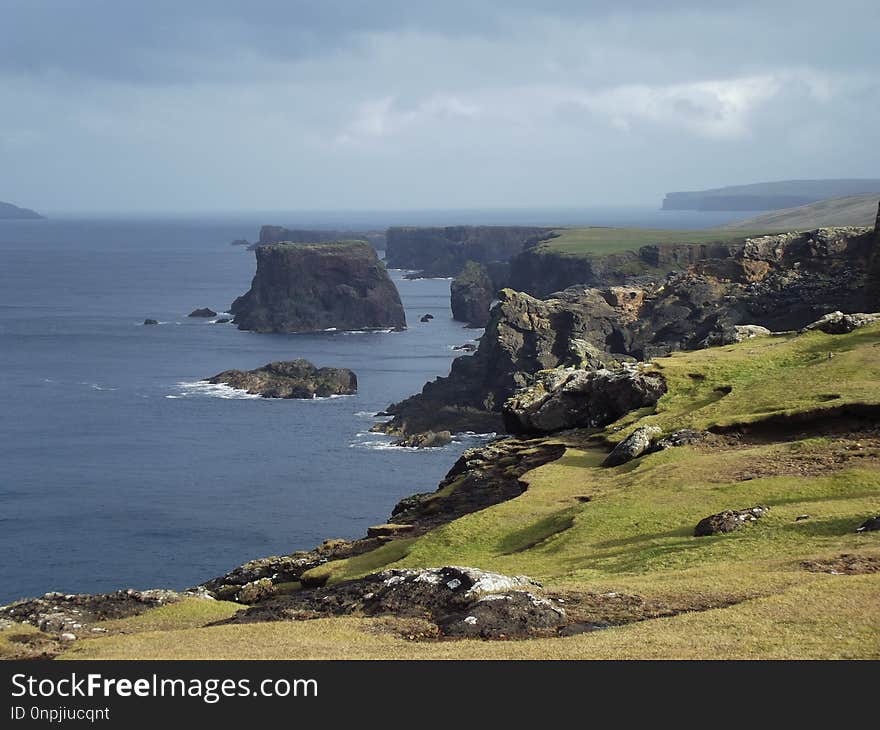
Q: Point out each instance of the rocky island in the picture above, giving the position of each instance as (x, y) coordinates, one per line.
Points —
(291, 379)
(8, 211)
(309, 287)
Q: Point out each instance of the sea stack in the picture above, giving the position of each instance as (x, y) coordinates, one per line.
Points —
(308, 287)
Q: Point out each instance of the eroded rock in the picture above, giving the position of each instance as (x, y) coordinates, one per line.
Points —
(204, 312)
(428, 439)
(729, 520)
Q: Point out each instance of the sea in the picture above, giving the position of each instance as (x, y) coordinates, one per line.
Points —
(120, 467)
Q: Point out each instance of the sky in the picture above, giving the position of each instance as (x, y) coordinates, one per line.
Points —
(213, 105)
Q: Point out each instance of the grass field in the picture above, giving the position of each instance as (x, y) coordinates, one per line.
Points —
(600, 241)
(744, 594)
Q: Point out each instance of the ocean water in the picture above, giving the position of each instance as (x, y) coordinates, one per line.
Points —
(118, 468)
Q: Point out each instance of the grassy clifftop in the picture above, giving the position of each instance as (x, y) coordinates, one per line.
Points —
(620, 540)
(598, 241)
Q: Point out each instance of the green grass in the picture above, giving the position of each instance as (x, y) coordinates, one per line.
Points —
(598, 241)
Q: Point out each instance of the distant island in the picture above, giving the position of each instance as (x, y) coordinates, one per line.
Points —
(8, 211)
(769, 195)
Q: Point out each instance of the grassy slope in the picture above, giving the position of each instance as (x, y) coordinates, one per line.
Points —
(635, 535)
(600, 241)
(854, 210)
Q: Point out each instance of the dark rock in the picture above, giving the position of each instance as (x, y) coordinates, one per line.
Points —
(684, 437)
(562, 399)
(151, 321)
(223, 320)
(293, 379)
(471, 294)
(870, 525)
(728, 520)
(240, 242)
(312, 287)
(13, 212)
(462, 602)
(428, 439)
(838, 323)
(279, 234)
(466, 347)
(633, 446)
(426, 318)
(445, 251)
(205, 312)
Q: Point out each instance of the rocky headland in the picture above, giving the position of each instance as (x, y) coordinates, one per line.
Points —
(8, 211)
(280, 234)
(310, 287)
(290, 379)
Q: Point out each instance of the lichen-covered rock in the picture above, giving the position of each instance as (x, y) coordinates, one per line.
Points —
(256, 591)
(633, 446)
(428, 439)
(292, 379)
(312, 287)
(461, 601)
(76, 612)
(730, 335)
(729, 520)
(838, 323)
(564, 398)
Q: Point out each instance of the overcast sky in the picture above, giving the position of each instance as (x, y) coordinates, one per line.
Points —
(209, 105)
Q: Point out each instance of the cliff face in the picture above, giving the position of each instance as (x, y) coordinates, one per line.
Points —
(780, 282)
(473, 291)
(310, 287)
(445, 251)
(768, 196)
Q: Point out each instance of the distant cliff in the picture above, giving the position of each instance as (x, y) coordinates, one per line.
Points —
(309, 287)
(279, 234)
(8, 211)
(768, 196)
(444, 251)
(853, 210)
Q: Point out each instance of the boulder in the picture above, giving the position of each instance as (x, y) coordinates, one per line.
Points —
(838, 323)
(870, 525)
(731, 335)
(204, 312)
(728, 520)
(426, 318)
(291, 379)
(427, 439)
(256, 591)
(566, 398)
(633, 446)
(313, 287)
(461, 601)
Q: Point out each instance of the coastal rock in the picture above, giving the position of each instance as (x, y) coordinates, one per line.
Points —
(255, 591)
(633, 446)
(732, 335)
(280, 234)
(838, 323)
(293, 379)
(471, 294)
(426, 318)
(70, 612)
(563, 399)
(240, 242)
(461, 601)
(428, 439)
(151, 321)
(204, 312)
(442, 252)
(728, 520)
(312, 287)
(466, 347)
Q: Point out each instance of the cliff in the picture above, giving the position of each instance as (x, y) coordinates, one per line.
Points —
(781, 282)
(768, 196)
(473, 290)
(8, 211)
(311, 287)
(854, 210)
(445, 251)
(279, 234)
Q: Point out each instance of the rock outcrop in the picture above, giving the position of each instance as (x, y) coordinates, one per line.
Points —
(428, 439)
(279, 234)
(633, 446)
(445, 251)
(291, 379)
(838, 323)
(779, 282)
(459, 601)
(729, 520)
(203, 312)
(473, 290)
(151, 321)
(566, 398)
(312, 287)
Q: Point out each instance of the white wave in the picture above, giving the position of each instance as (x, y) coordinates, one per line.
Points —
(95, 386)
(367, 414)
(331, 329)
(204, 388)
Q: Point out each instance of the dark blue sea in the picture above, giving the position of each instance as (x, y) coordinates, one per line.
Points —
(118, 468)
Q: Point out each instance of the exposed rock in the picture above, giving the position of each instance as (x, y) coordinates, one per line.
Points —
(838, 323)
(389, 530)
(633, 446)
(204, 312)
(462, 602)
(466, 347)
(240, 242)
(684, 437)
(732, 335)
(223, 320)
(312, 287)
(426, 318)
(255, 591)
(566, 398)
(728, 520)
(293, 379)
(151, 321)
(870, 525)
(444, 251)
(73, 612)
(473, 290)
(428, 439)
